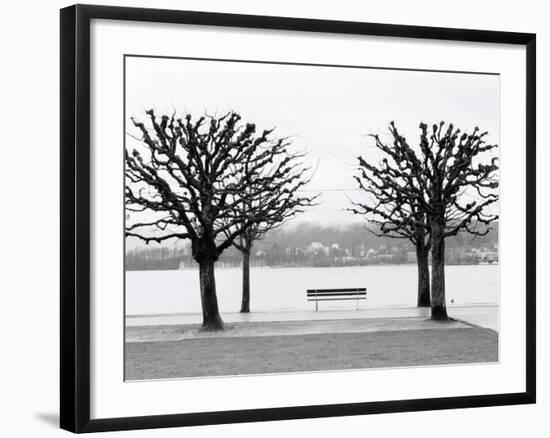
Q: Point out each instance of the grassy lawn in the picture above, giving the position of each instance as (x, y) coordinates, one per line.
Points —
(336, 351)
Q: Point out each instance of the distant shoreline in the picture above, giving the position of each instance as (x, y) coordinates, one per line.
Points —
(308, 267)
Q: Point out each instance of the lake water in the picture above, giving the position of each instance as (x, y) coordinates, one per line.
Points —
(284, 289)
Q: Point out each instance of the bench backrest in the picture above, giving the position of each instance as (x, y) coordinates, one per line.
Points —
(335, 294)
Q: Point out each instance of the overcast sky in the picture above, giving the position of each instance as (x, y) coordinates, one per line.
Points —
(327, 110)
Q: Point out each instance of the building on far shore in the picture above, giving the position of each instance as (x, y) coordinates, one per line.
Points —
(489, 257)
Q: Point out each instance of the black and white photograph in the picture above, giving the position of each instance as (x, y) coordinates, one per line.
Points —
(290, 218)
(266, 219)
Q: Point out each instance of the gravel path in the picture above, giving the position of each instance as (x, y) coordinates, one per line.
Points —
(282, 328)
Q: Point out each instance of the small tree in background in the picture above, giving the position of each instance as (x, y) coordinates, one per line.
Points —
(280, 200)
(393, 204)
(190, 179)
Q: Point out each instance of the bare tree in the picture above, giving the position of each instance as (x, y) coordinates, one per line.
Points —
(459, 185)
(395, 212)
(448, 183)
(189, 179)
(273, 207)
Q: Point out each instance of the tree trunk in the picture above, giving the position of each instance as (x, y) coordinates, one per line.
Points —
(211, 319)
(439, 309)
(423, 276)
(245, 303)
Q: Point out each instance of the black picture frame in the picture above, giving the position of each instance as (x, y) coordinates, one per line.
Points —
(75, 217)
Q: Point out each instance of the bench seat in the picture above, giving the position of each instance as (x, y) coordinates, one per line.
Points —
(358, 293)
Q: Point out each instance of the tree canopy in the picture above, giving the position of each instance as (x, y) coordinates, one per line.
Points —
(209, 180)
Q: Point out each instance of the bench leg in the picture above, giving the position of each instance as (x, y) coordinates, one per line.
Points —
(316, 306)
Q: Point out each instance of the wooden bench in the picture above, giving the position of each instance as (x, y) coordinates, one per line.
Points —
(358, 293)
